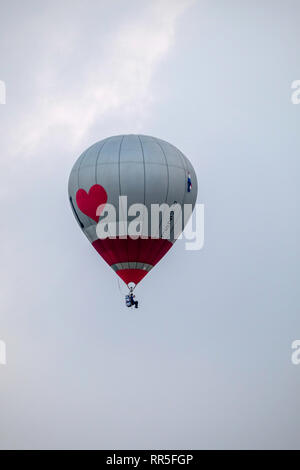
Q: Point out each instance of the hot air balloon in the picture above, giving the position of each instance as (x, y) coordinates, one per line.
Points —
(148, 171)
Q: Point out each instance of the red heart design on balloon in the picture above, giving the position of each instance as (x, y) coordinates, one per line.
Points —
(89, 202)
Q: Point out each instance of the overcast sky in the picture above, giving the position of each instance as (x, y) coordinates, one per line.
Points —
(206, 361)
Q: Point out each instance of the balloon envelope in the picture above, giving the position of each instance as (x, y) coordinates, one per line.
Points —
(148, 171)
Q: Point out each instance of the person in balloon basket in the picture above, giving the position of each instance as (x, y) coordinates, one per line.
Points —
(132, 301)
(129, 300)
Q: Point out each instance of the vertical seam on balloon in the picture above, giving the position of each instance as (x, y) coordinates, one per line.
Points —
(165, 157)
(139, 239)
(105, 247)
(184, 169)
(167, 192)
(117, 236)
(185, 172)
(83, 157)
(174, 225)
(96, 167)
(144, 168)
(168, 182)
(96, 164)
(184, 190)
(114, 239)
(119, 164)
(120, 187)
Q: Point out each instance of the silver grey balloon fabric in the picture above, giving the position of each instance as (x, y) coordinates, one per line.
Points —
(146, 169)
